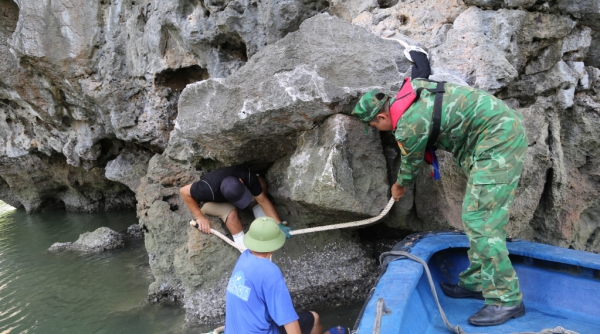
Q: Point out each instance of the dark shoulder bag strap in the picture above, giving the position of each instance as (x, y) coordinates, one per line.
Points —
(437, 113)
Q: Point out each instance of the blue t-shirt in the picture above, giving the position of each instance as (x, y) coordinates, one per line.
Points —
(257, 299)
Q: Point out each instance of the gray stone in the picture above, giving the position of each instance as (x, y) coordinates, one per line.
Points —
(100, 240)
(135, 231)
(324, 174)
(560, 77)
(349, 9)
(417, 20)
(588, 14)
(576, 45)
(484, 3)
(469, 51)
(128, 168)
(502, 3)
(593, 55)
(60, 247)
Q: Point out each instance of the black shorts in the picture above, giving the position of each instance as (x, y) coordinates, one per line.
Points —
(306, 320)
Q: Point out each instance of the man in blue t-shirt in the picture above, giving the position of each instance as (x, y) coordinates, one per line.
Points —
(258, 300)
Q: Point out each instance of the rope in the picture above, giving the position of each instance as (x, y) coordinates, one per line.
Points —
(227, 240)
(457, 329)
(381, 311)
(241, 248)
(224, 238)
(346, 225)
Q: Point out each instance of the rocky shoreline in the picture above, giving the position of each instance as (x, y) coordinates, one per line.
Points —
(117, 104)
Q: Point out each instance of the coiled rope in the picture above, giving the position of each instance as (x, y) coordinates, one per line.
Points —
(356, 223)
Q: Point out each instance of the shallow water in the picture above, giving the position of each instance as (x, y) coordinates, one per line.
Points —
(86, 293)
(70, 292)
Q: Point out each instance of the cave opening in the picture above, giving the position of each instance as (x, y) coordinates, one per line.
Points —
(383, 4)
(177, 79)
(9, 15)
(236, 49)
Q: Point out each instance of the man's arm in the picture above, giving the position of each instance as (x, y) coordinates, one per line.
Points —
(412, 134)
(267, 206)
(190, 202)
(293, 327)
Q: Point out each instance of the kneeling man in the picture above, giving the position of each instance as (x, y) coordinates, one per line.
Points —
(223, 190)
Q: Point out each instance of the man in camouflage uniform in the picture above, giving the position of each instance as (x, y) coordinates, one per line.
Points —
(489, 143)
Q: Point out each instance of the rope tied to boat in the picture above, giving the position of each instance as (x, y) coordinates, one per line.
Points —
(356, 223)
(454, 329)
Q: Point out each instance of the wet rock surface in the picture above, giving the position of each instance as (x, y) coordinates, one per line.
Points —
(135, 232)
(111, 105)
(100, 240)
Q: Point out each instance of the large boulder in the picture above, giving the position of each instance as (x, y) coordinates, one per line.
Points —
(289, 87)
(335, 168)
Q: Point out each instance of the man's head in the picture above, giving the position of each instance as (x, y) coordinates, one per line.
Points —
(264, 236)
(373, 109)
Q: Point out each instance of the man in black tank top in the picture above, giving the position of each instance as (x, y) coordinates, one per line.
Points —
(221, 192)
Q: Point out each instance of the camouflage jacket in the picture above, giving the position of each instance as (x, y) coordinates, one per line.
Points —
(474, 126)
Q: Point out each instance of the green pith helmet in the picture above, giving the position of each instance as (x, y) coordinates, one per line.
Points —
(264, 235)
(368, 106)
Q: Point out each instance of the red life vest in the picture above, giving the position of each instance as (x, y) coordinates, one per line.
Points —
(404, 99)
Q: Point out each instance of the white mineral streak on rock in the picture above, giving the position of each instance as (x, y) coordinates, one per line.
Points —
(337, 172)
(250, 107)
(303, 83)
(299, 163)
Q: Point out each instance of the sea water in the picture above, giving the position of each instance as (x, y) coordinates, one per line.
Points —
(71, 292)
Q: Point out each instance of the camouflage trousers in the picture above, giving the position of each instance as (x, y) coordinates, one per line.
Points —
(490, 192)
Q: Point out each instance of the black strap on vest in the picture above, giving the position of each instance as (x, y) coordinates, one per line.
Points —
(437, 111)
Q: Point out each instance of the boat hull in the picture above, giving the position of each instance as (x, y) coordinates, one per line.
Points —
(560, 287)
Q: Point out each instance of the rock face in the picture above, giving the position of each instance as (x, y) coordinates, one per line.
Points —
(107, 105)
(281, 92)
(36, 181)
(135, 232)
(84, 81)
(324, 173)
(100, 240)
(338, 183)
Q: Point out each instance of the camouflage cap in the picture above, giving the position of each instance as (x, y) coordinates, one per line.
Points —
(369, 105)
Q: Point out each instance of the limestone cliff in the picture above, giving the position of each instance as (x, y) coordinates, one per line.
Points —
(117, 103)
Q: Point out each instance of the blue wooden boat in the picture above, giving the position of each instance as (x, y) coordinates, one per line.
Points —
(561, 287)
